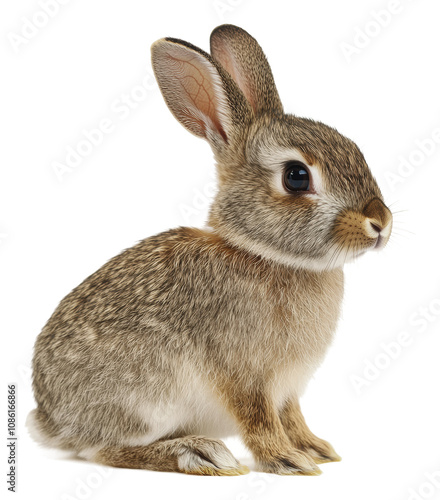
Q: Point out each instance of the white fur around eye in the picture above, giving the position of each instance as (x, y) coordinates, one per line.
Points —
(275, 161)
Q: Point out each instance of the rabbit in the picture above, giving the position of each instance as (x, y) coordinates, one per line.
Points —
(194, 335)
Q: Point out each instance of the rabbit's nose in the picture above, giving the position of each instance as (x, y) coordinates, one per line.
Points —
(378, 219)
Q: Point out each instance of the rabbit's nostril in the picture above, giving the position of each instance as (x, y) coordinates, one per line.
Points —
(376, 227)
(373, 228)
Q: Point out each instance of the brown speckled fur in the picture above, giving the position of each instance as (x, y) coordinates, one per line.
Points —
(194, 334)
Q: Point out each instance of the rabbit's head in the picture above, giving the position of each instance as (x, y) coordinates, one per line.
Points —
(291, 189)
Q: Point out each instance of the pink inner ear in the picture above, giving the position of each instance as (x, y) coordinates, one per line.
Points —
(227, 60)
(198, 89)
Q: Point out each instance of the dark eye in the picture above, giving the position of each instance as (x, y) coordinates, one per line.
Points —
(296, 176)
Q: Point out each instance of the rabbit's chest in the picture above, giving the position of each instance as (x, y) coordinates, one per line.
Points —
(302, 322)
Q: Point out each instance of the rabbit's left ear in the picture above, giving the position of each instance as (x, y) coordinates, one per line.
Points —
(243, 58)
(199, 93)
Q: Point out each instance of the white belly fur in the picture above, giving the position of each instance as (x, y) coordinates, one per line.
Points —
(198, 411)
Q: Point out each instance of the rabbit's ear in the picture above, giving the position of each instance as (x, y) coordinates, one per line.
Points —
(242, 57)
(202, 96)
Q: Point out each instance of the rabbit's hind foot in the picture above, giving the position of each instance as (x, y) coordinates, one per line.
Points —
(189, 454)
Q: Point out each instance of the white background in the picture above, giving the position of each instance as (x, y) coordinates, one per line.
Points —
(149, 174)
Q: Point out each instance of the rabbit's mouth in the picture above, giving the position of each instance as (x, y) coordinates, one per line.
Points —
(380, 243)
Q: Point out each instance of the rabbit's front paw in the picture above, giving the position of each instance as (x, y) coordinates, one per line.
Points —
(320, 451)
(295, 463)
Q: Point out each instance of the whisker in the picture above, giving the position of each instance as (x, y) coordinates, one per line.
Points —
(334, 257)
(337, 254)
(346, 253)
(398, 230)
(327, 267)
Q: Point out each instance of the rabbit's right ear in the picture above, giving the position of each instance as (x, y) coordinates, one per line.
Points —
(199, 93)
(243, 58)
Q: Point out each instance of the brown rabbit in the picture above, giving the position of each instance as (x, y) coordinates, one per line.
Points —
(192, 335)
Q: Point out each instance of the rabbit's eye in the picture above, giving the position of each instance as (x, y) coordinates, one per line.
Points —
(296, 176)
